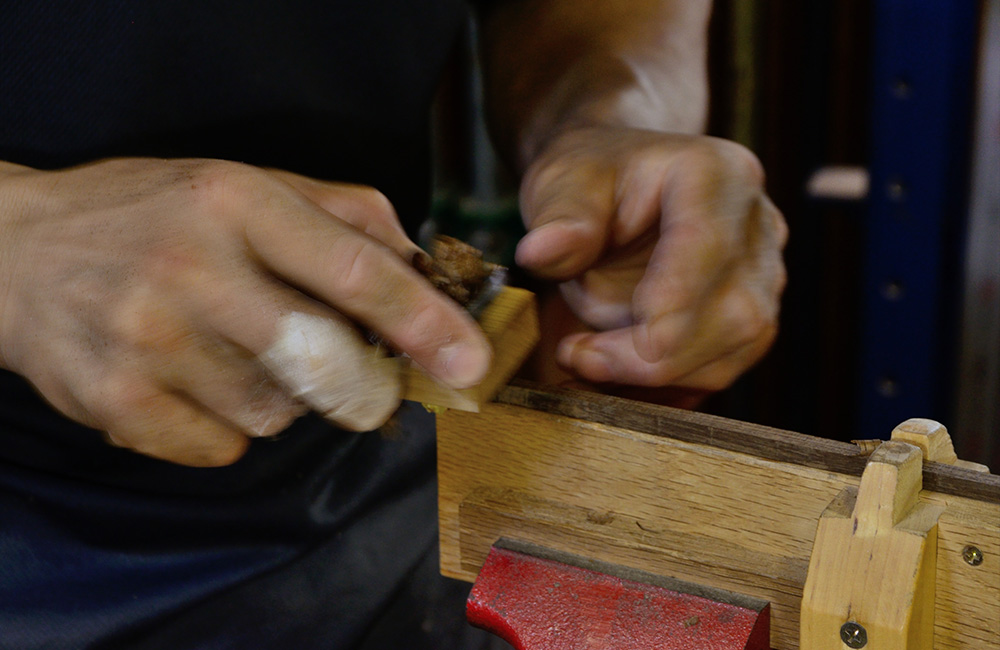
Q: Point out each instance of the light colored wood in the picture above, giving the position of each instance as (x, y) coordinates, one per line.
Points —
(510, 323)
(874, 559)
(933, 440)
(688, 510)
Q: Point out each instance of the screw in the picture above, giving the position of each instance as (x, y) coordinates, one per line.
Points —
(853, 635)
(972, 555)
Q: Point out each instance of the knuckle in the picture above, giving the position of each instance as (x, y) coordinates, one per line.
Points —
(742, 163)
(769, 224)
(780, 279)
(423, 328)
(377, 204)
(219, 187)
(728, 158)
(358, 266)
(781, 228)
(749, 320)
(134, 326)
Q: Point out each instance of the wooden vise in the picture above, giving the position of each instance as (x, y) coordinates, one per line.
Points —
(892, 549)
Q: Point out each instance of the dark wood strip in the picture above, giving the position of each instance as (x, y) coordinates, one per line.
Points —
(733, 435)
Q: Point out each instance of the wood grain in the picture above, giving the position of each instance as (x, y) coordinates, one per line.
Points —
(745, 437)
(688, 496)
(886, 541)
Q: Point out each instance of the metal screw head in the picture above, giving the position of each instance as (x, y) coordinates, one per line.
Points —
(972, 555)
(853, 635)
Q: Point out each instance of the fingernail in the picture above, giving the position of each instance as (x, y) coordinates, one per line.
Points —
(464, 364)
(565, 349)
(539, 247)
(593, 363)
(419, 259)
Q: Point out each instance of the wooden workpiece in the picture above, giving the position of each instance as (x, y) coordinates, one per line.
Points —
(706, 500)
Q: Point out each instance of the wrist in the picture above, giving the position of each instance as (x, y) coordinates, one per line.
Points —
(631, 98)
(556, 65)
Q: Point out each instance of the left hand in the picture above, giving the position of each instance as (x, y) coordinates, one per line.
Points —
(666, 247)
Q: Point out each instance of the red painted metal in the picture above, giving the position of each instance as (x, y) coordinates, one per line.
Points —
(542, 604)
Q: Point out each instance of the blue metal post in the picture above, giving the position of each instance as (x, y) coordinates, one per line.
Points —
(923, 63)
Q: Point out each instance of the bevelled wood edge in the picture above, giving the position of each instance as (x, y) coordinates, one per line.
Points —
(733, 435)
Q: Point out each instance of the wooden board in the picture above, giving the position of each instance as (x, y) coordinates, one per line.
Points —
(689, 496)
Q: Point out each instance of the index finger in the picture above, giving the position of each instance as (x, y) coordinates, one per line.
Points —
(370, 283)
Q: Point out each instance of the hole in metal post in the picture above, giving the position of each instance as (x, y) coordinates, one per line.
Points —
(901, 88)
(896, 189)
(892, 290)
(888, 387)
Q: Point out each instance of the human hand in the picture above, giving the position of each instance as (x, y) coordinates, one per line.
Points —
(182, 306)
(667, 249)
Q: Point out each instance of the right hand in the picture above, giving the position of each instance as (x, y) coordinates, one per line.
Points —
(182, 306)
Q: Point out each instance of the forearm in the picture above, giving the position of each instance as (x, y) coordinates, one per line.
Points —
(552, 65)
(10, 216)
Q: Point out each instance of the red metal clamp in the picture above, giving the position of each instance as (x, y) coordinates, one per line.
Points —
(537, 599)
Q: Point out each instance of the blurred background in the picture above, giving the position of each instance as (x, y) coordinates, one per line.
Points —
(878, 123)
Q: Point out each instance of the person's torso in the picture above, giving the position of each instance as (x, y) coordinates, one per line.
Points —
(333, 89)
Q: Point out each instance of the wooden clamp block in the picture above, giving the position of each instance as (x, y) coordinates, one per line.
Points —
(871, 574)
(510, 323)
(933, 440)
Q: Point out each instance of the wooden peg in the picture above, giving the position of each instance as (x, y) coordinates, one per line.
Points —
(933, 440)
(871, 578)
(510, 323)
